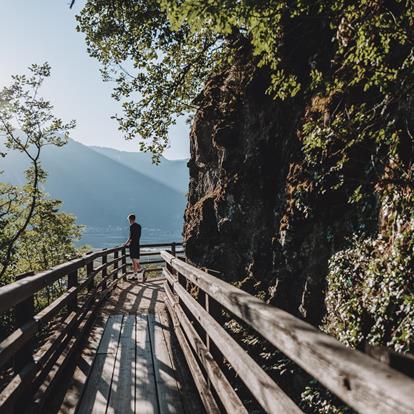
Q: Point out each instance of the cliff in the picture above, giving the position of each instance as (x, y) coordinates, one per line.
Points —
(242, 219)
(260, 216)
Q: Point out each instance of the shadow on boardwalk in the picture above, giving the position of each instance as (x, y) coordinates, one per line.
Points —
(117, 375)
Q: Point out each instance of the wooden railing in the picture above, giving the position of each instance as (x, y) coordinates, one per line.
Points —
(34, 368)
(363, 383)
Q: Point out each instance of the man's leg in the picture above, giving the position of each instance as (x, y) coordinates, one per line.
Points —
(134, 266)
(141, 269)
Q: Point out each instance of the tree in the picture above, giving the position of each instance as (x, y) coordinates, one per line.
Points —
(354, 59)
(158, 70)
(27, 125)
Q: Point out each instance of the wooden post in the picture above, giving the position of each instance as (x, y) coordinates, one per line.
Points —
(207, 308)
(24, 312)
(207, 339)
(173, 252)
(116, 256)
(104, 270)
(89, 271)
(73, 282)
(123, 253)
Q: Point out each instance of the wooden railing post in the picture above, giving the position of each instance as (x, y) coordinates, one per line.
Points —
(104, 270)
(174, 253)
(207, 338)
(73, 282)
(89, 271)
(123, 253)
(24, 312)
(116, 256)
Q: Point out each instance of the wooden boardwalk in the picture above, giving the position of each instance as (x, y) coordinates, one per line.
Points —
(129, 364)
(133, 371)
(112, 347)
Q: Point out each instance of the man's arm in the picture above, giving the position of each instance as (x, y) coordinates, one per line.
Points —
(128, 242)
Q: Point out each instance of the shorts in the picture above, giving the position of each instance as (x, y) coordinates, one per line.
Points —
(134, 252)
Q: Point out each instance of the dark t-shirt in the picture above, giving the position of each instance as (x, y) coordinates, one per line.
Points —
(135, 234)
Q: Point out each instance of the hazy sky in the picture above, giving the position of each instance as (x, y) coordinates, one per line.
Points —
(44, 30)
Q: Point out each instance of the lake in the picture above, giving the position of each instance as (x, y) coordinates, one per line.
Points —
(100, 238)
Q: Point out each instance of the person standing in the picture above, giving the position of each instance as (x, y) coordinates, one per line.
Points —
(134, 246)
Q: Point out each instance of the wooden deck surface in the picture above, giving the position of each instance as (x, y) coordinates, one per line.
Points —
(129, 362)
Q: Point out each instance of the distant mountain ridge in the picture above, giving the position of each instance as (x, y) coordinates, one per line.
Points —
(101, 187)
(173, 173)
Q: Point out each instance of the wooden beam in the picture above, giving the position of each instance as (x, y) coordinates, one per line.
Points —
(363, 383)
(268, 394)
(73, 282)
(16, 340)
(228, 397)
(24, 312)
(199, 380)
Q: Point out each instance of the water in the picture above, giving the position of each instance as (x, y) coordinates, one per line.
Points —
(100, 238)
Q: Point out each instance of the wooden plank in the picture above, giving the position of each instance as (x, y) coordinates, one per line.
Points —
(169, 398)
(10, 394)
(230, 400)
(13, 391)
(15, 341)
(146, 400)
(122, 396)
(58, 369)
(96, 396)
(73, 398)
(83, 367)
(264, 389)
(56, 364)
(46, 360)
(171, 278)
(199, 380)
(363, 383)
(47, 356)
(110, 337)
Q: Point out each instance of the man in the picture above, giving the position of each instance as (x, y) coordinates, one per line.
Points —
(133, 243)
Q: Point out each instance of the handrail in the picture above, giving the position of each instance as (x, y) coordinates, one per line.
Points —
(363, 383)
(30, 372)
(16, 292)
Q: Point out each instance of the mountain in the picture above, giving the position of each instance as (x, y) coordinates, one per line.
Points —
(173, 174)
(101, 190)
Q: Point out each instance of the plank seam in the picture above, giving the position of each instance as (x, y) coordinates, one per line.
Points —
(153, 364)
(114, 366)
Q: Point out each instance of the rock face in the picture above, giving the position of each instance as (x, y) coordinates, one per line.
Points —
(241, 218)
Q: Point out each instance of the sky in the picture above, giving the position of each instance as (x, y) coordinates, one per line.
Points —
(44, 30)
